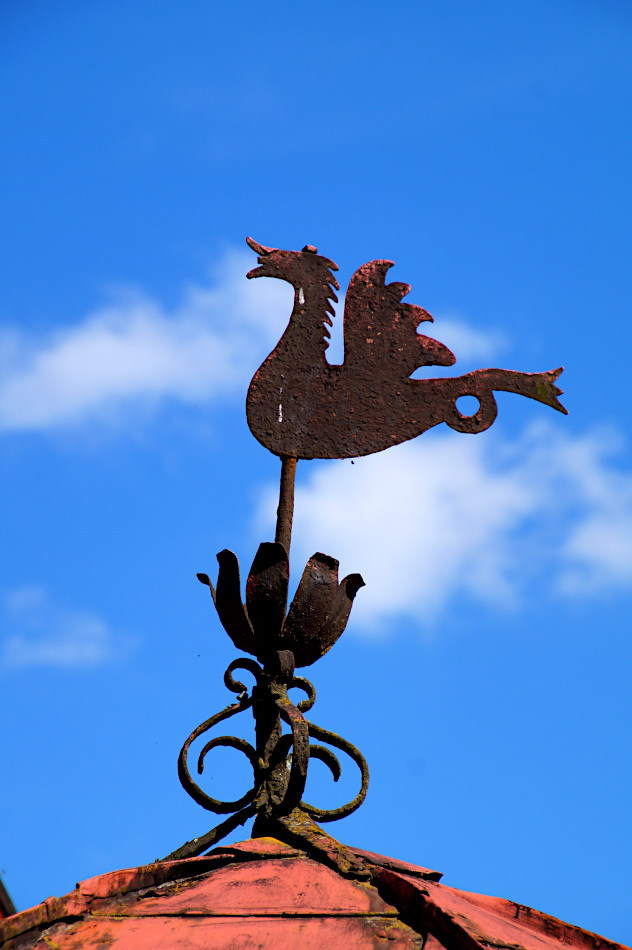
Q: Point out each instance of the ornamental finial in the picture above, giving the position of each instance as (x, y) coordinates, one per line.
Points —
(299, 406)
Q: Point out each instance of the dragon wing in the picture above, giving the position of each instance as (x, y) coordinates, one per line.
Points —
(378, 327)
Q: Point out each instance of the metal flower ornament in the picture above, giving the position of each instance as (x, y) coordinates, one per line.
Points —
(299, 406)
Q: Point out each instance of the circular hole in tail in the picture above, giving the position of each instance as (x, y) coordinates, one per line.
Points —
(468, 405)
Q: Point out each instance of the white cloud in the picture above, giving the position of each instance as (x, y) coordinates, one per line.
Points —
(44, 633)
(451, 515)
(466, 342)
(134, 352)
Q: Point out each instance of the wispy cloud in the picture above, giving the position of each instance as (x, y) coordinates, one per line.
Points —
(486, 518)
(465, 341)
(134, 352)
(41, 632)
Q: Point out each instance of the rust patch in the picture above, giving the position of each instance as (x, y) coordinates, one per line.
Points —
(301, 406)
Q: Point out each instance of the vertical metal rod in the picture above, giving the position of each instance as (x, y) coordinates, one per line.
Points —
(285, 511)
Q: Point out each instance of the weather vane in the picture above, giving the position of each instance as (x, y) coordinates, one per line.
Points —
(299, 406)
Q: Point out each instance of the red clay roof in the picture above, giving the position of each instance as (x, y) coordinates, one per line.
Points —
(263, 893)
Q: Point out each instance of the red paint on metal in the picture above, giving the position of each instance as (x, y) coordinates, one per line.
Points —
(234, 933)
(273, 886)
(432, 943)
(258, 847)
(463, 921)
(264, 893)
(487, 911)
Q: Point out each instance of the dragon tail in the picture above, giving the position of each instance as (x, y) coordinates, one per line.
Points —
(540, 386)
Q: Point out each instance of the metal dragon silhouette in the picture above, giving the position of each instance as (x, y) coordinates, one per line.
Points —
(301, 407)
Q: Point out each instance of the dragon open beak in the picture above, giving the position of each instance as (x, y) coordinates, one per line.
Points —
(260, 249)
(263, 252)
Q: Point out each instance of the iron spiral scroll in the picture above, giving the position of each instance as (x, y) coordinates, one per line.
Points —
(280, 641)
(281, 761)
(300, 406)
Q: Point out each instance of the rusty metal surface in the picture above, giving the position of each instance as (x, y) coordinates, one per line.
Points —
(362, 932)
(266, 593)
(285, 511)
(279, 761)
(281, 641)
(317, 615)
(299, 405)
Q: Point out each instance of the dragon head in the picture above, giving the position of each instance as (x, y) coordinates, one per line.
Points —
(297, 267)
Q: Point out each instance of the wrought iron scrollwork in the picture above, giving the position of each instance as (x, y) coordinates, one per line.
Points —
(300, 407)
(280, 639)
(194, 790)
(280, 761)
(330, 759)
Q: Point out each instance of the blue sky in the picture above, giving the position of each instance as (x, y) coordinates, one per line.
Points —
(485, 148)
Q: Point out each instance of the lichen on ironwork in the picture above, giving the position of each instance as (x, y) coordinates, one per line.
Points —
(299, 406)
(280, 760)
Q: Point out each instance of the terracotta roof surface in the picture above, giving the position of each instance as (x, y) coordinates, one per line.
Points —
(264, 893)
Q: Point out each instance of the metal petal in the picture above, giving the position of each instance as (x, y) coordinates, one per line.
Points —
(310, 608)
(231, 611)
(266, 591)
(335, 622)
